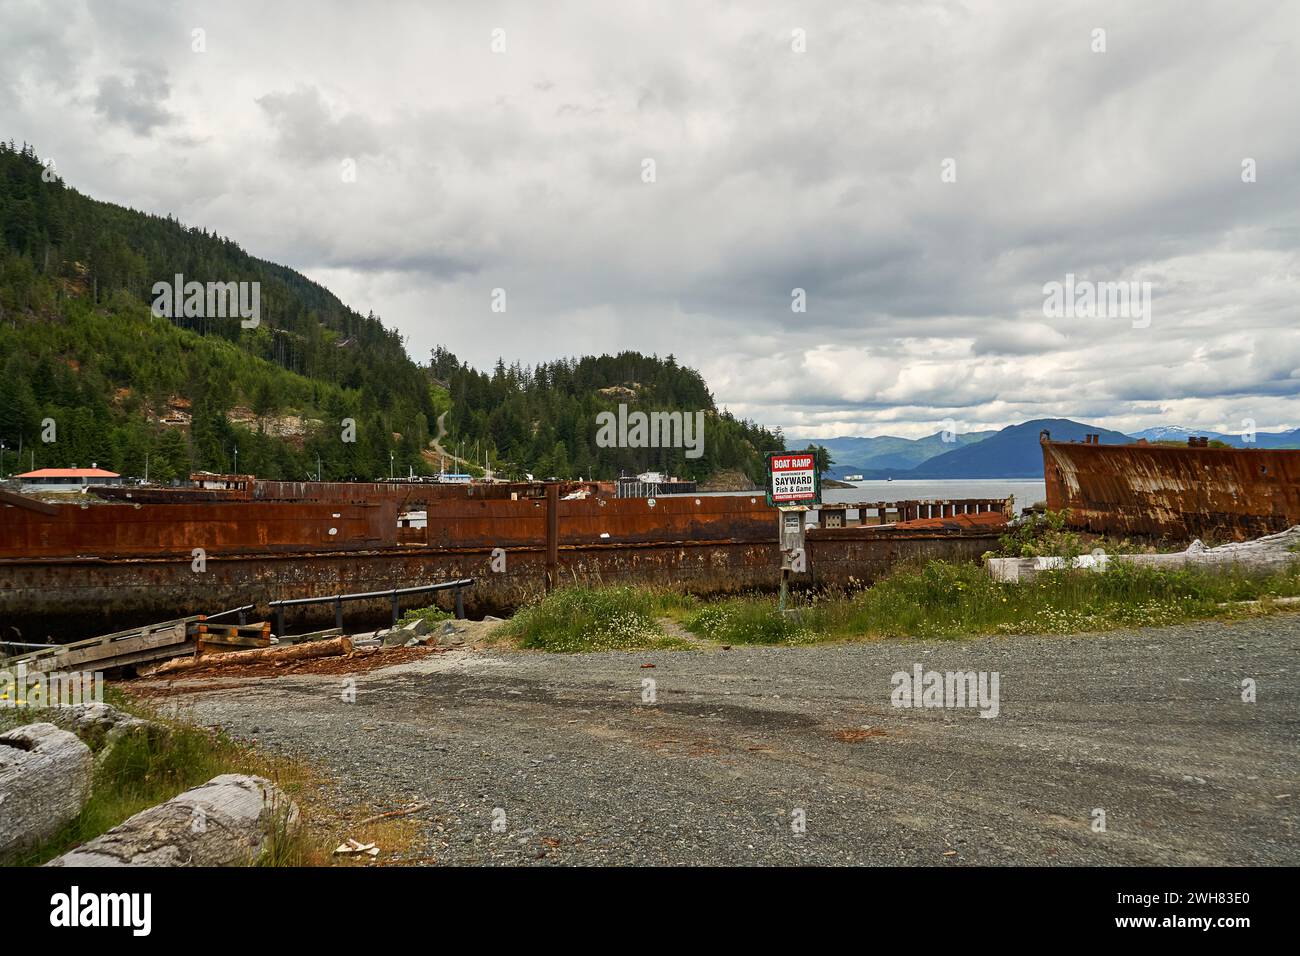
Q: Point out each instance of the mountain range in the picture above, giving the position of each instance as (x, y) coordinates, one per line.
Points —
(1283, 439)
(1012, 452)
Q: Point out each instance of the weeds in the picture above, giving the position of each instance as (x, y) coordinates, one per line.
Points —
(946, 600)
(1046, 533)
(592, 619)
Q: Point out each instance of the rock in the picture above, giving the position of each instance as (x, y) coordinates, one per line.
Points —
(224, 822)
(45, 776)
(419, 627)
(450, 634)
(103, 726)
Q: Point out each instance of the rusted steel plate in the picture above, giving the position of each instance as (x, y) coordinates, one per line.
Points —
(363, 491)
(982, 521)
(677, 518)
(121, 530)
(1171, 492)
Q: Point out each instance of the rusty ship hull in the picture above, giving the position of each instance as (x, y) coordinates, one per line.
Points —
(70, 570)
(1173, 492)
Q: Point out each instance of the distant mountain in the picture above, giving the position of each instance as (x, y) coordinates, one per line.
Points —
(1170, 433)
(1013, 452)
(1178, 433)
(886, 453)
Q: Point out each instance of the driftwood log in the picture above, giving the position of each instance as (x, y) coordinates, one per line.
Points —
(1268, 553)
(292, 652)
(45, 777)
(225, 822)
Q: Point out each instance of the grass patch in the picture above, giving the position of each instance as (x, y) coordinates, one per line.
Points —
(138, 773)
(948, 600)
(750, 620)
(430, 615)
(593, 619)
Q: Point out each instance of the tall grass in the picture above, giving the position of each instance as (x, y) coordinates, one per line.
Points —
(583, 618)
(947, 600)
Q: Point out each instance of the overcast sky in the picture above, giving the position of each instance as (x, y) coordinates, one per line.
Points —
(774, 169)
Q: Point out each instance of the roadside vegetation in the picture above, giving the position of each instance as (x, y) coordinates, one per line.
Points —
(1047, 533)
(593, 619)
(938, 599)
(139, 772)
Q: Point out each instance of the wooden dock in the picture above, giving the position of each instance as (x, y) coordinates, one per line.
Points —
(144, 645)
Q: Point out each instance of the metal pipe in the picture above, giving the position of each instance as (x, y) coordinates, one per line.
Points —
(373, 595)
(241, 611)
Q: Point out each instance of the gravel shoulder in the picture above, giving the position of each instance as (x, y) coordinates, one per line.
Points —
(529, 758)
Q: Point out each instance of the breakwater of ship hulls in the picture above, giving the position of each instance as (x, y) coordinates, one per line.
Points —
(84, 570)
(76, 597)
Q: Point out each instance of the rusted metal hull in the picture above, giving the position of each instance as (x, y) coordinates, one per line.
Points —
(1173, 492)
(71, 598)
(228, 527)
(85, 569)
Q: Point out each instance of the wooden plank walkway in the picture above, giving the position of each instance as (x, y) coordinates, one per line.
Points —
(139, 645)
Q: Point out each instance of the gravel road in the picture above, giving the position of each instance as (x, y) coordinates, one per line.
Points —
(741, 745)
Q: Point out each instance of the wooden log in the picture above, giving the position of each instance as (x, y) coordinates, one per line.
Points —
(225, 822)
(45, 776)
(294, 652)
(223, 643)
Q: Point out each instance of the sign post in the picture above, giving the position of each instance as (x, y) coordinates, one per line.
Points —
(793, 486)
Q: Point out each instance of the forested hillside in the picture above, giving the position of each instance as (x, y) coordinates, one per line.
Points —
(84, 361)
(546, 416)
(80, 348)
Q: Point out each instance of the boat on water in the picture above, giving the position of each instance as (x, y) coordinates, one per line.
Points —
(852, 477)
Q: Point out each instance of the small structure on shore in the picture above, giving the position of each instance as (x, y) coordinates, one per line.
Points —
(67, 479)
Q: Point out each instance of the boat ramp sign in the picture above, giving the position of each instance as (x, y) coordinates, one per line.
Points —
(792, 479)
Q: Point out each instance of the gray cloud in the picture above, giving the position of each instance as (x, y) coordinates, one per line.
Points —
(308, 130)
(775, 170)
(136, 101)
